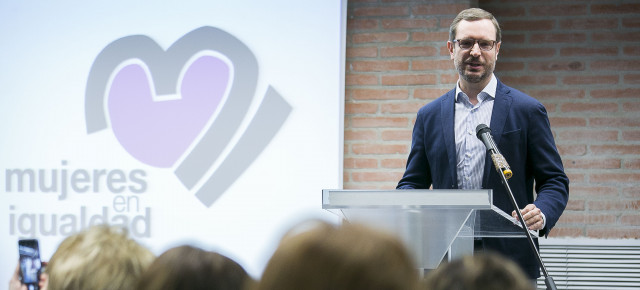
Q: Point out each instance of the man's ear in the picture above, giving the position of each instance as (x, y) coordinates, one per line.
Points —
(450, 48)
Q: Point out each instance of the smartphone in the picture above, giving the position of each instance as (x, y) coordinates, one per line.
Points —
(30, 263)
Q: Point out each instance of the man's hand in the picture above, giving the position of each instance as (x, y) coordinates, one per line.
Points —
(532, 217)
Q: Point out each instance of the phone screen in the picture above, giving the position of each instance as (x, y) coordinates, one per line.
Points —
(30, 263)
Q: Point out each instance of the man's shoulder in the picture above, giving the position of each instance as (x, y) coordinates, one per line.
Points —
(435, 104)
(517, 95)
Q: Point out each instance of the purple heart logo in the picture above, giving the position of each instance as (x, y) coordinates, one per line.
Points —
(157, 130)
(184, 103)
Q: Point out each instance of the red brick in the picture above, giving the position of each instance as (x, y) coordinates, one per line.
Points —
(558, 38)
(616, 122)
(360, 108)
(631, 107)
(360, 135)
(616, 65)
(509, 66)
(593, 191)
(360, 79)
(615, 149)
(558, 10)
(511, 38)
(609, 232)
(393, 163)
(550, 107)
(614, 177)
(444, 64)
(588, 23)
(632, 22)
(631, 135)
(562, 231)
(378, 122)
(592, 163)
(613, 205)
(527, 25)
(405, 107)
(429, 93)
(631, 192)
(576, 178)
(404, 80)
(589, 107)
(615, 8)
(616, 93)
(572, 149)
(361, 24)
(506, 11)
(438, 9)
(396, 135)
(437, 36)
(631, 50)
(591, 80)
(408, 51)
(449, 78)
(632, 164)
(616, 36)
(557, 66)
(378, 149)
(587, 135)
(630, 219)
(381, 11)
(567, 122)
(529, 80)
(378, 65)
(360, 163)
(409, 23)
(380, 37)
(567, 94)
(586, 219)
(376, 176)
(632, 79)
(575, 205)
(527, 52)
(366, 51)
(589, 51)
(380, 94)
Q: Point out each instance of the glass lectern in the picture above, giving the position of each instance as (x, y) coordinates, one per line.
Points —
(432, 223)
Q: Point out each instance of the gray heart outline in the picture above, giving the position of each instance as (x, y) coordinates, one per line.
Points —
(165, 67)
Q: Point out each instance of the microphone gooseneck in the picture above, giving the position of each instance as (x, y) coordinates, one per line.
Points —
(484, 134)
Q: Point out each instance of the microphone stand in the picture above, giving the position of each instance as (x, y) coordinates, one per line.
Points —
(548, 280)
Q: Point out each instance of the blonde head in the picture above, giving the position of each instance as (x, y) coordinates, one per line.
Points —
(101, 257)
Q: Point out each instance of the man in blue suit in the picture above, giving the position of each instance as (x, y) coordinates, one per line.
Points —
(446, 154)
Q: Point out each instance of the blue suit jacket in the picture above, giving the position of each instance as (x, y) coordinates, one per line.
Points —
(520, 128)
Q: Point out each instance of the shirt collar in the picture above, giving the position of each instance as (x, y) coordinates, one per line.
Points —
(489, 90)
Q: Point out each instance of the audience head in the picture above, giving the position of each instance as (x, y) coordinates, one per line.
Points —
(187, 267)
(482, 271)
(101, 257)
(346, 257)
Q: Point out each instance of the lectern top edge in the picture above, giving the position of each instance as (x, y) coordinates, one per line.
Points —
(413, 198)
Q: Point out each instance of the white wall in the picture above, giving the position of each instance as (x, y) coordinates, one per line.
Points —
(47, 52)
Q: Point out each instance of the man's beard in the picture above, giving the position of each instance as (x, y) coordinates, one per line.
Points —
(474, 79)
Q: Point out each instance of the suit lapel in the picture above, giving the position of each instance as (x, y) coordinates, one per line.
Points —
(501, 109)
(447, 108)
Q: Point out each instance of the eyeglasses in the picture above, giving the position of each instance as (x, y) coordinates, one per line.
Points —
(485, 45)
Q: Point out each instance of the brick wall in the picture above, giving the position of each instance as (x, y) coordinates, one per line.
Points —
(581, 59)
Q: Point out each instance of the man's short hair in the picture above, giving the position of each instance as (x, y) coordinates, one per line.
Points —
(473, 14)
(350, 257)
(101, 257)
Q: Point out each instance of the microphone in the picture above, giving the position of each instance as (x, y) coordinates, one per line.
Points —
(484, 134)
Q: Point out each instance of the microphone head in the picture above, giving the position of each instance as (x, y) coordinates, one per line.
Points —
(481, 129)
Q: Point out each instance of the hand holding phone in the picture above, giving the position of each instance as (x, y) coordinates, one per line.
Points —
(30, 263)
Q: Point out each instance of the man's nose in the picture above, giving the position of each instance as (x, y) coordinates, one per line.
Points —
(475, 49)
